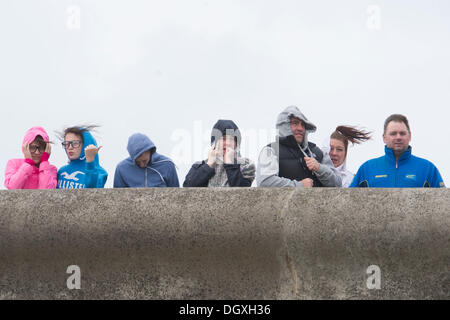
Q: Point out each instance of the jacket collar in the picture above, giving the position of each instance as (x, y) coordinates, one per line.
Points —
(391, 156)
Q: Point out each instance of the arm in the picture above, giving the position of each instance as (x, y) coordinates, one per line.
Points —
(172, 179)
(95, 176)
(47, 173)
(328, 174)
(435, 178)
(267, 171)
(199, 175)
(357, 179)
(15, 177)
(118, 180)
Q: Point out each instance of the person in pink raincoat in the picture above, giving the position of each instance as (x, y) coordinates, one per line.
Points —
(33, 172)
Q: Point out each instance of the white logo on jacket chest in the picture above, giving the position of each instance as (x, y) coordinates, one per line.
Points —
(72, 176)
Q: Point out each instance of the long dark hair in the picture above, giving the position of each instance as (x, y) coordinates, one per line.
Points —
(349, 133)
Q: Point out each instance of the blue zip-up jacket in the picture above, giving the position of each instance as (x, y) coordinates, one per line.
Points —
(408, 172)
(79, 174)
(160, 171)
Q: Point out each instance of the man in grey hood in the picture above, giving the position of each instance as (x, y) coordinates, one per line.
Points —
(293, 161)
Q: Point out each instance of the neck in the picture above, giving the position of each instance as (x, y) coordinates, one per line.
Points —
(398, 154)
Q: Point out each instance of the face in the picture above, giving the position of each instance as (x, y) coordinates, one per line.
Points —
(37, 149)
(397, 137)
(226, 142)
(298, 129)
(73, 145)
(143, 160)
(337, 152)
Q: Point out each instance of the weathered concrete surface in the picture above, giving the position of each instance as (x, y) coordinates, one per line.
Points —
(254, 243)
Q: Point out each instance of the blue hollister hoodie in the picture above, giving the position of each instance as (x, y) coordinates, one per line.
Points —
(79, 174)
(408, 172)
(160, 171)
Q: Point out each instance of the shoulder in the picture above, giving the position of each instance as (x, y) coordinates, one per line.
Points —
(315, 149)
(53, 167)
(63, 168)
(15, 162)
(161, 161)
(422, 161)
(369, 164)
(198, 164)
(124, 163)
(270, 149)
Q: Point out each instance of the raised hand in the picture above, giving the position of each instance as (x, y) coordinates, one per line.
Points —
(212, 157)
(26, 150)
(91, 151)
(312, 164)
(48, 148)
(229, 156)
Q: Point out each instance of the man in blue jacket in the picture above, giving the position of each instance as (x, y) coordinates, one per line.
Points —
(145, 168)
(398, 168)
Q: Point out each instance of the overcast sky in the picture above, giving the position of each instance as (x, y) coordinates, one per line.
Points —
(170, 69)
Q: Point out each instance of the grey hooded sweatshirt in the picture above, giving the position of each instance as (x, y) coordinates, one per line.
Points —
(268, 165)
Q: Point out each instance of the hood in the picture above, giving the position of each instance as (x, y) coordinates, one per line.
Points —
(224, 127)
(32, 133)
(283, 123)
(138, 143)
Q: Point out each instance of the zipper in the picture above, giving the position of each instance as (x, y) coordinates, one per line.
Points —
(146, 184)
(396, 173)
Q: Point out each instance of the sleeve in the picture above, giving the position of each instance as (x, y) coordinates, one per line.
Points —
(172, 179)
(267, 171)
(199, 175)
(47, 176)
(118, 180)
(235, 177)
(436, 180)
(15, 177)
(358, 178)
(95, 176)
(328, 174)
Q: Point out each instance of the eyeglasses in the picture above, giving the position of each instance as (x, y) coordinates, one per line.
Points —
(74, 143)
(34, 148)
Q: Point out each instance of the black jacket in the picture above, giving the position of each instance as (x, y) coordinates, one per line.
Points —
(200, 173)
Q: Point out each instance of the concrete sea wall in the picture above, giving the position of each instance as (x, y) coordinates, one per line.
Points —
(249, 243)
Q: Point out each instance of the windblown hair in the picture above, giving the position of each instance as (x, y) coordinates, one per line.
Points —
(78, 130)
(348, 133)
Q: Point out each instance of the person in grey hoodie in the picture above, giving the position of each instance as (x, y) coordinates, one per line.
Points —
(293, 161)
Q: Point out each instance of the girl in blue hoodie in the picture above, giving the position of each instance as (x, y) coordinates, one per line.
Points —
(83, 170)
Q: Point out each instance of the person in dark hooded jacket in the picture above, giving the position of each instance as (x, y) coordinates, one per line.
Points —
(224, 167)
(145, 168)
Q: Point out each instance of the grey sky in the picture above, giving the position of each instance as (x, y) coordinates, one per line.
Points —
(158, 67)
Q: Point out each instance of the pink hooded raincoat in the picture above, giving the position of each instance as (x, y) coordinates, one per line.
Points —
(21, 174)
